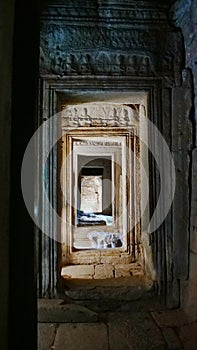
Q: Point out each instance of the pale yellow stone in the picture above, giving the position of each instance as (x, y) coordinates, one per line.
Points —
(78, 271)
(127, 270)
(116, 260)
(104, 271)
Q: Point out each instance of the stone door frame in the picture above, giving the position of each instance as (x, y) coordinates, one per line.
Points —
(156, 243)
(129, 252)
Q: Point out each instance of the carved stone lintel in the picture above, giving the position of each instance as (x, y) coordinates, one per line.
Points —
(97, 114)
(89, 10)
(97, 143)
(85, 50)
(99, 63)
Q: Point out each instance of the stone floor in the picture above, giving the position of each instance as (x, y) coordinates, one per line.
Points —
(92, 317)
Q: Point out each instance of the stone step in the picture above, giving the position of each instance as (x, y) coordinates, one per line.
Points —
(65, 311)
(101, 271)
(121, 289)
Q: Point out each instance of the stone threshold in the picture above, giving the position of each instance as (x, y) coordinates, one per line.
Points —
(117, 289)
(101, 271)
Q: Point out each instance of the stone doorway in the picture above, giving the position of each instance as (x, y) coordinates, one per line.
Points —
(106, 244)
(136, 54)
(102, 136)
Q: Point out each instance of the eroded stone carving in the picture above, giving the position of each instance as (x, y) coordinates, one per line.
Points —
(97, 114)
(99, 38)
(97, 143)
(98, 63)
(82, 50)
(125, 10)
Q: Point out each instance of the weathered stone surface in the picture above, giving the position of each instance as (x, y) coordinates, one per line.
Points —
(121, 259)
(106, 9)
(71, 47)
(78, 271)
(86, 336)
(104, 271)
(181, 145)
(134, 289)
(60, 311)
(171, 318)
(172, 340)
(184, 15)
(193, 231)
(110, 115)
(193, 268)
(131, 306)
(188, 336)
(126, 270)
(46, 335)
(193, 240)
(77, 258)
(118, 336)
(134, 332)
(189, 300)
(182, 104)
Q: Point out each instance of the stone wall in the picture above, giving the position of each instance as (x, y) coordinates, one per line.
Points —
(184, 14)
(134, 45)
(104, 38)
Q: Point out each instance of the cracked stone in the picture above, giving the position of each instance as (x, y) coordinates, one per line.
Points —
(82, 336)
(134, 332)
(59, 312)
(46, 335)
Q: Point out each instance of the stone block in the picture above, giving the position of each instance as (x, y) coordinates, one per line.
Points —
(84, 258)
(118, 335)
(46, 335)
(134, 289)
(58, 311)
(78, 271)
(181, 226)
(170, 318)
(81, 336)
(172, 340)
(127, 270)
(137, 331)
(79, 260)
(188, 336)
(189, 300)
(193, 268)
(193, 240)
(104, 271)
(121, 259)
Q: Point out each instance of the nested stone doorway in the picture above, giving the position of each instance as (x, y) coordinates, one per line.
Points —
(100, 143)
(65, 252)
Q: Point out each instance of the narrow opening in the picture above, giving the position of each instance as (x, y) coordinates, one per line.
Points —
(94, 195)
(91, 193)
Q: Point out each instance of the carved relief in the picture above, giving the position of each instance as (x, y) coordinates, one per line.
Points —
(76, 46)
(65, 51)
(102, 63)
(126, 10)
(97, 143)
(68, 50)
(95, 114)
